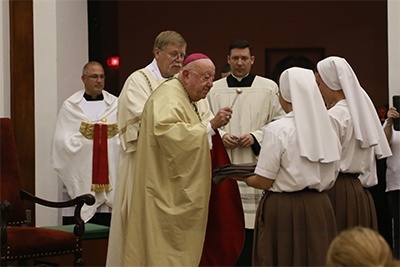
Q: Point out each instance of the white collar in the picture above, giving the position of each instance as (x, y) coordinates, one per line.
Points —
(153, 68)
(240, 79)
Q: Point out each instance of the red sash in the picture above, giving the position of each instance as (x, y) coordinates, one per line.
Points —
(100, 181)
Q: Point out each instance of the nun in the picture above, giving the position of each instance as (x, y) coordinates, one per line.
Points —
(299, 161)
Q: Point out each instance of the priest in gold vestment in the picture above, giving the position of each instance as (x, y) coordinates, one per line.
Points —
(170, 193)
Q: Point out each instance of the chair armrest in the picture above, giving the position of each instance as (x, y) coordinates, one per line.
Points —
(79, 201)
(87, 199)
(5, 207)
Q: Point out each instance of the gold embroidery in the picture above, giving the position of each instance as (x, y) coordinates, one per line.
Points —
(147, 79)
(86, 129)
(137, 119)
(101, 187)
(132, 121)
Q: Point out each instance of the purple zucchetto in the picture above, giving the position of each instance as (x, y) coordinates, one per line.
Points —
(194, 57)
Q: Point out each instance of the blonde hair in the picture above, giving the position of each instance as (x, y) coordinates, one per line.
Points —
(168, 37)
(360, 246)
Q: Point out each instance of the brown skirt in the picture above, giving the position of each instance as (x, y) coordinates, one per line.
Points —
(293, 229)
(352, 203)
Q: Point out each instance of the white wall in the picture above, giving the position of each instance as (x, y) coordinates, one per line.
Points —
(60, 52)
(394, 48)
(4, 60)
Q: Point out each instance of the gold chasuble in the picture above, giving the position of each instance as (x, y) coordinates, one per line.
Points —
(171, 190)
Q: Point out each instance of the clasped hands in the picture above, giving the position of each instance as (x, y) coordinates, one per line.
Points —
(232, 141)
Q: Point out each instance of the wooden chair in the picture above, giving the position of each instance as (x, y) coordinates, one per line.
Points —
(20, 242)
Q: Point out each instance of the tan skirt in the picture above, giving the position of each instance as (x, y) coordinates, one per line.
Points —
(352, 203)
(293, 229)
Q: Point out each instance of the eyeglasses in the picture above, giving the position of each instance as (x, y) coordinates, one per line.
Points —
(174, 55)
(96, 76)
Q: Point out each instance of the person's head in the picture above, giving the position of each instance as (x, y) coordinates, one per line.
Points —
(169, 50)
(327, 94)
(197, 75)
(327, 81)
(382, 112)
(93, 78)
(226, 70)
(297, 87)
(337, 74)
(359, 246)
(240, 58)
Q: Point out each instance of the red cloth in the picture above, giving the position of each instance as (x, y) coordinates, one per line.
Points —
(100, 179)
(225, 228)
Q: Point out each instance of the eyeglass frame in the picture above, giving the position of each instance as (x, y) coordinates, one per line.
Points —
(96, 76)
(174, 56)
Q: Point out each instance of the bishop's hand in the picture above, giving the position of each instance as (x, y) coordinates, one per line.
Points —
(221, 118)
